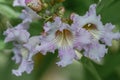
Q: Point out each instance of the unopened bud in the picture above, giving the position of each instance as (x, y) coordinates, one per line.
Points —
(36, 5)
(61, 10)
(45, 5)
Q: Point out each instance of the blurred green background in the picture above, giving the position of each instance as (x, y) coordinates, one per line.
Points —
(45, 67)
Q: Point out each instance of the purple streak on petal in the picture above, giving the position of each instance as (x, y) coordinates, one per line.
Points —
(83, 36)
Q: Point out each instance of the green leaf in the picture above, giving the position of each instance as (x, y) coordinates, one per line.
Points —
(91, 72)
(78, 6)
(110, 11)
(8, 11)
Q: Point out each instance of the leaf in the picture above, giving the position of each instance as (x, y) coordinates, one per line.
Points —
(110, 11)
(78, 6)
(111, 62)
(90, 69)
(8, 11)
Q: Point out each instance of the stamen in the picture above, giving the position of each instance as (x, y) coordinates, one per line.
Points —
(64, 38)
(93, 30)
(90, 26)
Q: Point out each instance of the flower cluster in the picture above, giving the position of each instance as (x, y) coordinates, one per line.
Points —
(86, 33)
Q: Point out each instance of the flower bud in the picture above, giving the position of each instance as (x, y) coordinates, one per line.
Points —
(61, 10)
(45, 5)
(36, 5)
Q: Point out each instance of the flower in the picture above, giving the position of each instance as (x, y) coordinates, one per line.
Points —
(86, 34)
(23, 44)
(21, 56)
(58, 36)
(18, 33)
(90, 21)
(99, 33)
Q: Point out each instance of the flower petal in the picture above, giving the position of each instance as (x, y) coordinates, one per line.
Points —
(29, 15)
(67, 55)
(19, 3)
(83, 37)
(46, 47)
(30, 45)
(17, 53)
(95, 51)
(25, 66)
(18, 35)
(109, 35)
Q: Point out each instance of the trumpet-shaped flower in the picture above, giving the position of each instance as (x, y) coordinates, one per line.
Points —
(58, 36)
(92, 23)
